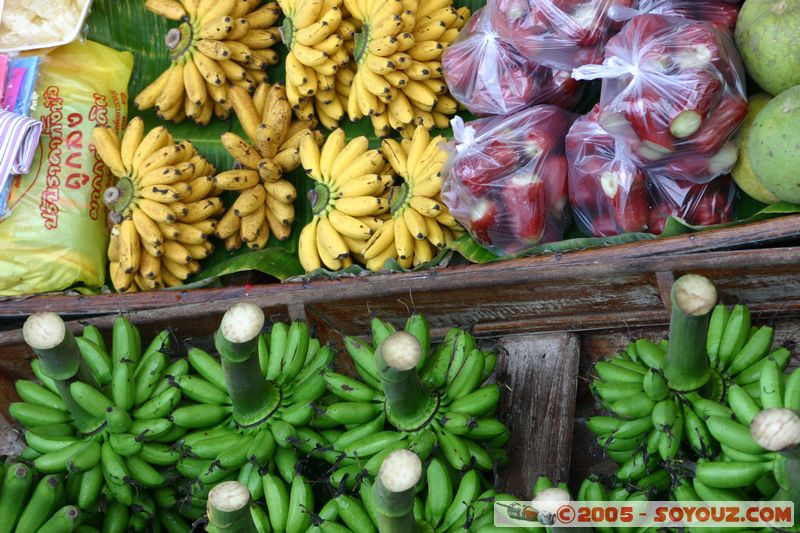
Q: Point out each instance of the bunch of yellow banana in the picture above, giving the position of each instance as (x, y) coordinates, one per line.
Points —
(315, 33)
(265, 201)
(420, 225)
(162, 207)
(398, 51)
(219, 43)
(350, 200)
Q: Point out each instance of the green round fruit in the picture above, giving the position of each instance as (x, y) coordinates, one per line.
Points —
(774, 146)
(766, 35)
(743, 173)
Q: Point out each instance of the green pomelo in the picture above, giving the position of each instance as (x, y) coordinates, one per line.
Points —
(743, 173)
(766, 35)
(774, 146)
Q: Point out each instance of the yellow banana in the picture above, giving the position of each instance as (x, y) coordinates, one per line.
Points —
(264, 17)
(108, 148)
(129, 247)
(175, 251)
(251, 224)
(349, 226)
(280, 230)
(228, 225)
(310, 157)
(260, 39)
(210, 71)
(169, 231)
(330, 241)
(370, 162)
(403, 240)
(282, 211)
(376, 263)
(359, 206)
(249, 201)
(147, 97)
(121, 280)
(113, 244)
(166, 8)
(173, 91)
(201, 210)
(147, 229)
(415, 223)
(307, 247)
(282, 190)
(236, 180)
(188, 234)
(435, 233)
(365, 185)
(306, 12)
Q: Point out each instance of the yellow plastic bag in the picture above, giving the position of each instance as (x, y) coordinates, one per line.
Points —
(56, 235)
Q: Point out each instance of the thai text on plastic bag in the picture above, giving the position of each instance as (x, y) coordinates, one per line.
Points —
(56, 235)
(673, 91)
(506, 178)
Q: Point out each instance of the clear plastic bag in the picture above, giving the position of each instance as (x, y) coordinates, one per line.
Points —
(706, 204)
(607, 192)
(490, 77)
(723, 12)
(561, 34)
(673, 92)
(506, 178)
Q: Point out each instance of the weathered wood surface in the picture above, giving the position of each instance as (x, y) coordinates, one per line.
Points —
(644, 254)
(538, 374)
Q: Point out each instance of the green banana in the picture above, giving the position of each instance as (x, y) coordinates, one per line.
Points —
(276, 496)
(477, 403)
(716, 328)
(125, 444)
(200, 415)
(278, 337)
(33, 393)
(96, 359)
(418, 326)
(440, 492)
(91, 486)
(64, 520)
(147, 374)
(467, 378)
(754, 350)
(201, 391)
(16, 484)
(737, 330)
(41, 504)
(90, 399)
(122, 392)
(207, 367)
(349, 389)
(31, 415)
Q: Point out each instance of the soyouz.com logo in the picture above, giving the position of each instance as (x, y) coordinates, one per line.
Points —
(659, 514)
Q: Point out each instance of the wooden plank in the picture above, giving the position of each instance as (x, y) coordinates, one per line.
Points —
(539, 375)
(283, 294)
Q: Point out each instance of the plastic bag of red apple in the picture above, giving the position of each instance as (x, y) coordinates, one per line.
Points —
(706, 204)
(490, 77)
(562, 34)
(607, 192)
(673, 92)
(506, 178)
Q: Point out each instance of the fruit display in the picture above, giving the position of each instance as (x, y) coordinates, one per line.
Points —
(351, 192)
(610, 195)
(163, 206)
(434, 401)
(420, 224)
(320, 39)
(692, 398)
(398, 63)
(562, 34)
(264, 204)
(765, 34)
(490, 77)
(673, 92)
(123, 435)
(506, 178)
(217, 44)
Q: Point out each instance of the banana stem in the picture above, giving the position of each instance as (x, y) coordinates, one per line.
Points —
(228, 508)
(236, 341)
(393, 492)
(49, 337)
(61, 361)
(408, 404)
(686, 367)
(547, 502)
(778, 430)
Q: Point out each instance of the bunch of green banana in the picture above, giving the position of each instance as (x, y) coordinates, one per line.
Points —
(250, 408)
(654, 422)
(100, 421)
(438, 404)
